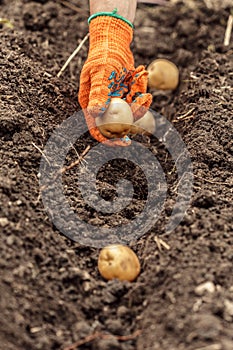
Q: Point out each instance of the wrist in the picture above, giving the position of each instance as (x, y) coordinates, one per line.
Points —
(110, 32)
(114, 14)
(126, 8)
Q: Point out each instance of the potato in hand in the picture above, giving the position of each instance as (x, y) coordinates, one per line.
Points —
(145, 125)
(116, 120)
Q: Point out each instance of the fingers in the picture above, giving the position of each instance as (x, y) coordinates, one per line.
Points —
(137, 97)
(139, 81)
(99, 95)
(84, 88)
(93, 93)
(107, 83)
(94, 131)
(141, 105)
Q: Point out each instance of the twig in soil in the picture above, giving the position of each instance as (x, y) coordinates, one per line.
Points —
(96, 335)
(228, 31)
(73, 55)
(82, 160)
(41, 153)
(73, 7)
(6, 22)
(193, 76)
(48, 74)
(214, 182)
(211, 347)
(76, 162)
(160, 243)
(185, 116)
(68, 167)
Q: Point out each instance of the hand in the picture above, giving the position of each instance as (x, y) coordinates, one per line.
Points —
(109, 72)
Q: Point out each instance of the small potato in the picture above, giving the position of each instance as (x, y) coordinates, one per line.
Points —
(163, 75)
(118, 261)
(145, 125)
(117, 119)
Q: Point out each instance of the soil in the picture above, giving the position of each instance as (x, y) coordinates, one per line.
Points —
(51, 293)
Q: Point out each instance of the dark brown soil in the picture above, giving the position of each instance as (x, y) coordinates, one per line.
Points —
(51, 294)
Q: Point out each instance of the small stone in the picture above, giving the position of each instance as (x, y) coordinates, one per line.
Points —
(114, 326)
(206, 287)
(18, 318)
(205, 327)
(227, 344)
(3, 262)
(109, 298)
(8, 279)
(34, 330)
(81, 329)
(205, 200)
(20, 271)
(108, 344)
(228, 307)
(122, 311)
(4, 222)
(10, 240)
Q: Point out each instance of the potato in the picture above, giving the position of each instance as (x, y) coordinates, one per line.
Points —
(163, 75)
(118, 261)
(117, 119)
(145, 125)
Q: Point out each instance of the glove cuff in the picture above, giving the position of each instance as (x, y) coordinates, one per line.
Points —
(110, 36)
(110, 14)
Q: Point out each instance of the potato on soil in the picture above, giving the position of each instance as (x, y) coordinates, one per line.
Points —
(118, 261)
(163, 75)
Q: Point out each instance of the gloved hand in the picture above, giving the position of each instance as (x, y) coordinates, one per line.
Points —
(109, 72)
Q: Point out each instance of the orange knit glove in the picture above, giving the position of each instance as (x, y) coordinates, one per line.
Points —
(109, 72)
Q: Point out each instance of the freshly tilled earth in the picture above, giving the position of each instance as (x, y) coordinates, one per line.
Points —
(51, 293)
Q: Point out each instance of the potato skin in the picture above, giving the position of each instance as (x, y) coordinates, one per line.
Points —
(117, 119)
(145, 125)
(118, 261)
(163, 75)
